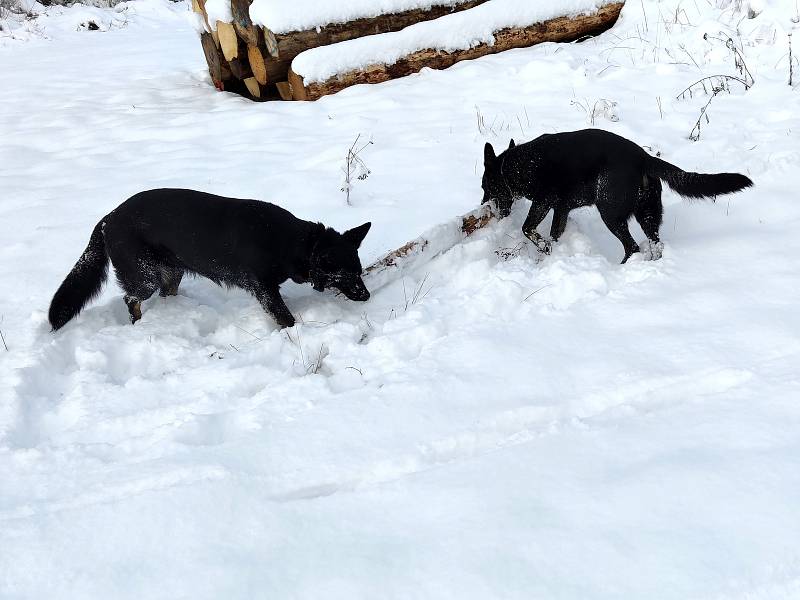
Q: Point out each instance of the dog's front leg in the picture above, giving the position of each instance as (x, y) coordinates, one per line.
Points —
(536, 215)
(272, 302)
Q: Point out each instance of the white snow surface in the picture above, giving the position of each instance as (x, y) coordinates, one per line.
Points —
(493, 424)
(283, 16)
(458, 31)
(218, 10)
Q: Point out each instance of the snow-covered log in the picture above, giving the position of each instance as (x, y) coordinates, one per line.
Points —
(336, 44)
(289, 44)
(329, 69)
(426, 247)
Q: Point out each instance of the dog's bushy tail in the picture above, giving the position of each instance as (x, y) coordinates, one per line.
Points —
(696, 185)
(83, 282)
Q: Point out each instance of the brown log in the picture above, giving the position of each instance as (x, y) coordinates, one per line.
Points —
(561, 29)
(256, 60)
(426, 247)
(284, 90)
(228, 40)
(253, 87)
(215, 35)
(284, 47)
(217, 67)
(271, 43)
(240, 68)
(242, 23)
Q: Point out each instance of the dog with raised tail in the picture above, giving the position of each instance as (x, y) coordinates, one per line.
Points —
(568, 170)
(155, 237)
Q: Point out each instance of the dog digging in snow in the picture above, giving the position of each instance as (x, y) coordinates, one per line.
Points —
(565, 171)
(155, 237)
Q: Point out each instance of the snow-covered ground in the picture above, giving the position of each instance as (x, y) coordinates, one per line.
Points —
(494, 424)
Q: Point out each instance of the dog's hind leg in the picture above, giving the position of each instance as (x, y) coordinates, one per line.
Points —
(560, 216)
(617, 193)
(137, 274)
(169, 280)
(649, 214)
(623, 234)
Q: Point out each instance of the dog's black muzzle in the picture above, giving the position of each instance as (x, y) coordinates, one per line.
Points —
(356, 291)
(353, 288)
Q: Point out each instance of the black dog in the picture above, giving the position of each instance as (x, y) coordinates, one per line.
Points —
(564, 171)
(154, 237)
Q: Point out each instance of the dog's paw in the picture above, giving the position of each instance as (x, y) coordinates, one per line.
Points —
(285, 322)
(651, 250)
(544, 245)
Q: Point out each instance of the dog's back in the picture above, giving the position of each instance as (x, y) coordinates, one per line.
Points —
(214, 236)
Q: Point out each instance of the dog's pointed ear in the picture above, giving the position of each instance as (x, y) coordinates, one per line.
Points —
(356, 235)
(511, 144)
(488, 154)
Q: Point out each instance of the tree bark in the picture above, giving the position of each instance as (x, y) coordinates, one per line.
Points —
(217, 67)
(561, 29)
(242, 23)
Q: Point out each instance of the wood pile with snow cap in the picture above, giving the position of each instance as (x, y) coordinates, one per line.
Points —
(306, 49)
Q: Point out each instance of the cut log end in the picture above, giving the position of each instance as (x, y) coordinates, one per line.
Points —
(253, 87)
(297, 87)
(284, 89)
(228, 40)
(257, 64)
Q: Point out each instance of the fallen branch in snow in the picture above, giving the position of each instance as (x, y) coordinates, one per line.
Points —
(423, 249)
(2, 337)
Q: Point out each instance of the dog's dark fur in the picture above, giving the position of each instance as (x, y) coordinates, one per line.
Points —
(155, 237)
(564, 171)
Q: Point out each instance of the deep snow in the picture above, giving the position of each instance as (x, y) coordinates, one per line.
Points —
(493, 425)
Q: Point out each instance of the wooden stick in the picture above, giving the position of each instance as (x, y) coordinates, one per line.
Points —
(560, 29)
(426, 247)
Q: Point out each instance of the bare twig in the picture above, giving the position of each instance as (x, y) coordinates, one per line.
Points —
(2, 337)
(535, 292)
(717, 83)
(738, 57)
(354, 167)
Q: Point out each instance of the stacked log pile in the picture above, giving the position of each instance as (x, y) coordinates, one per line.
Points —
(251, 60)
